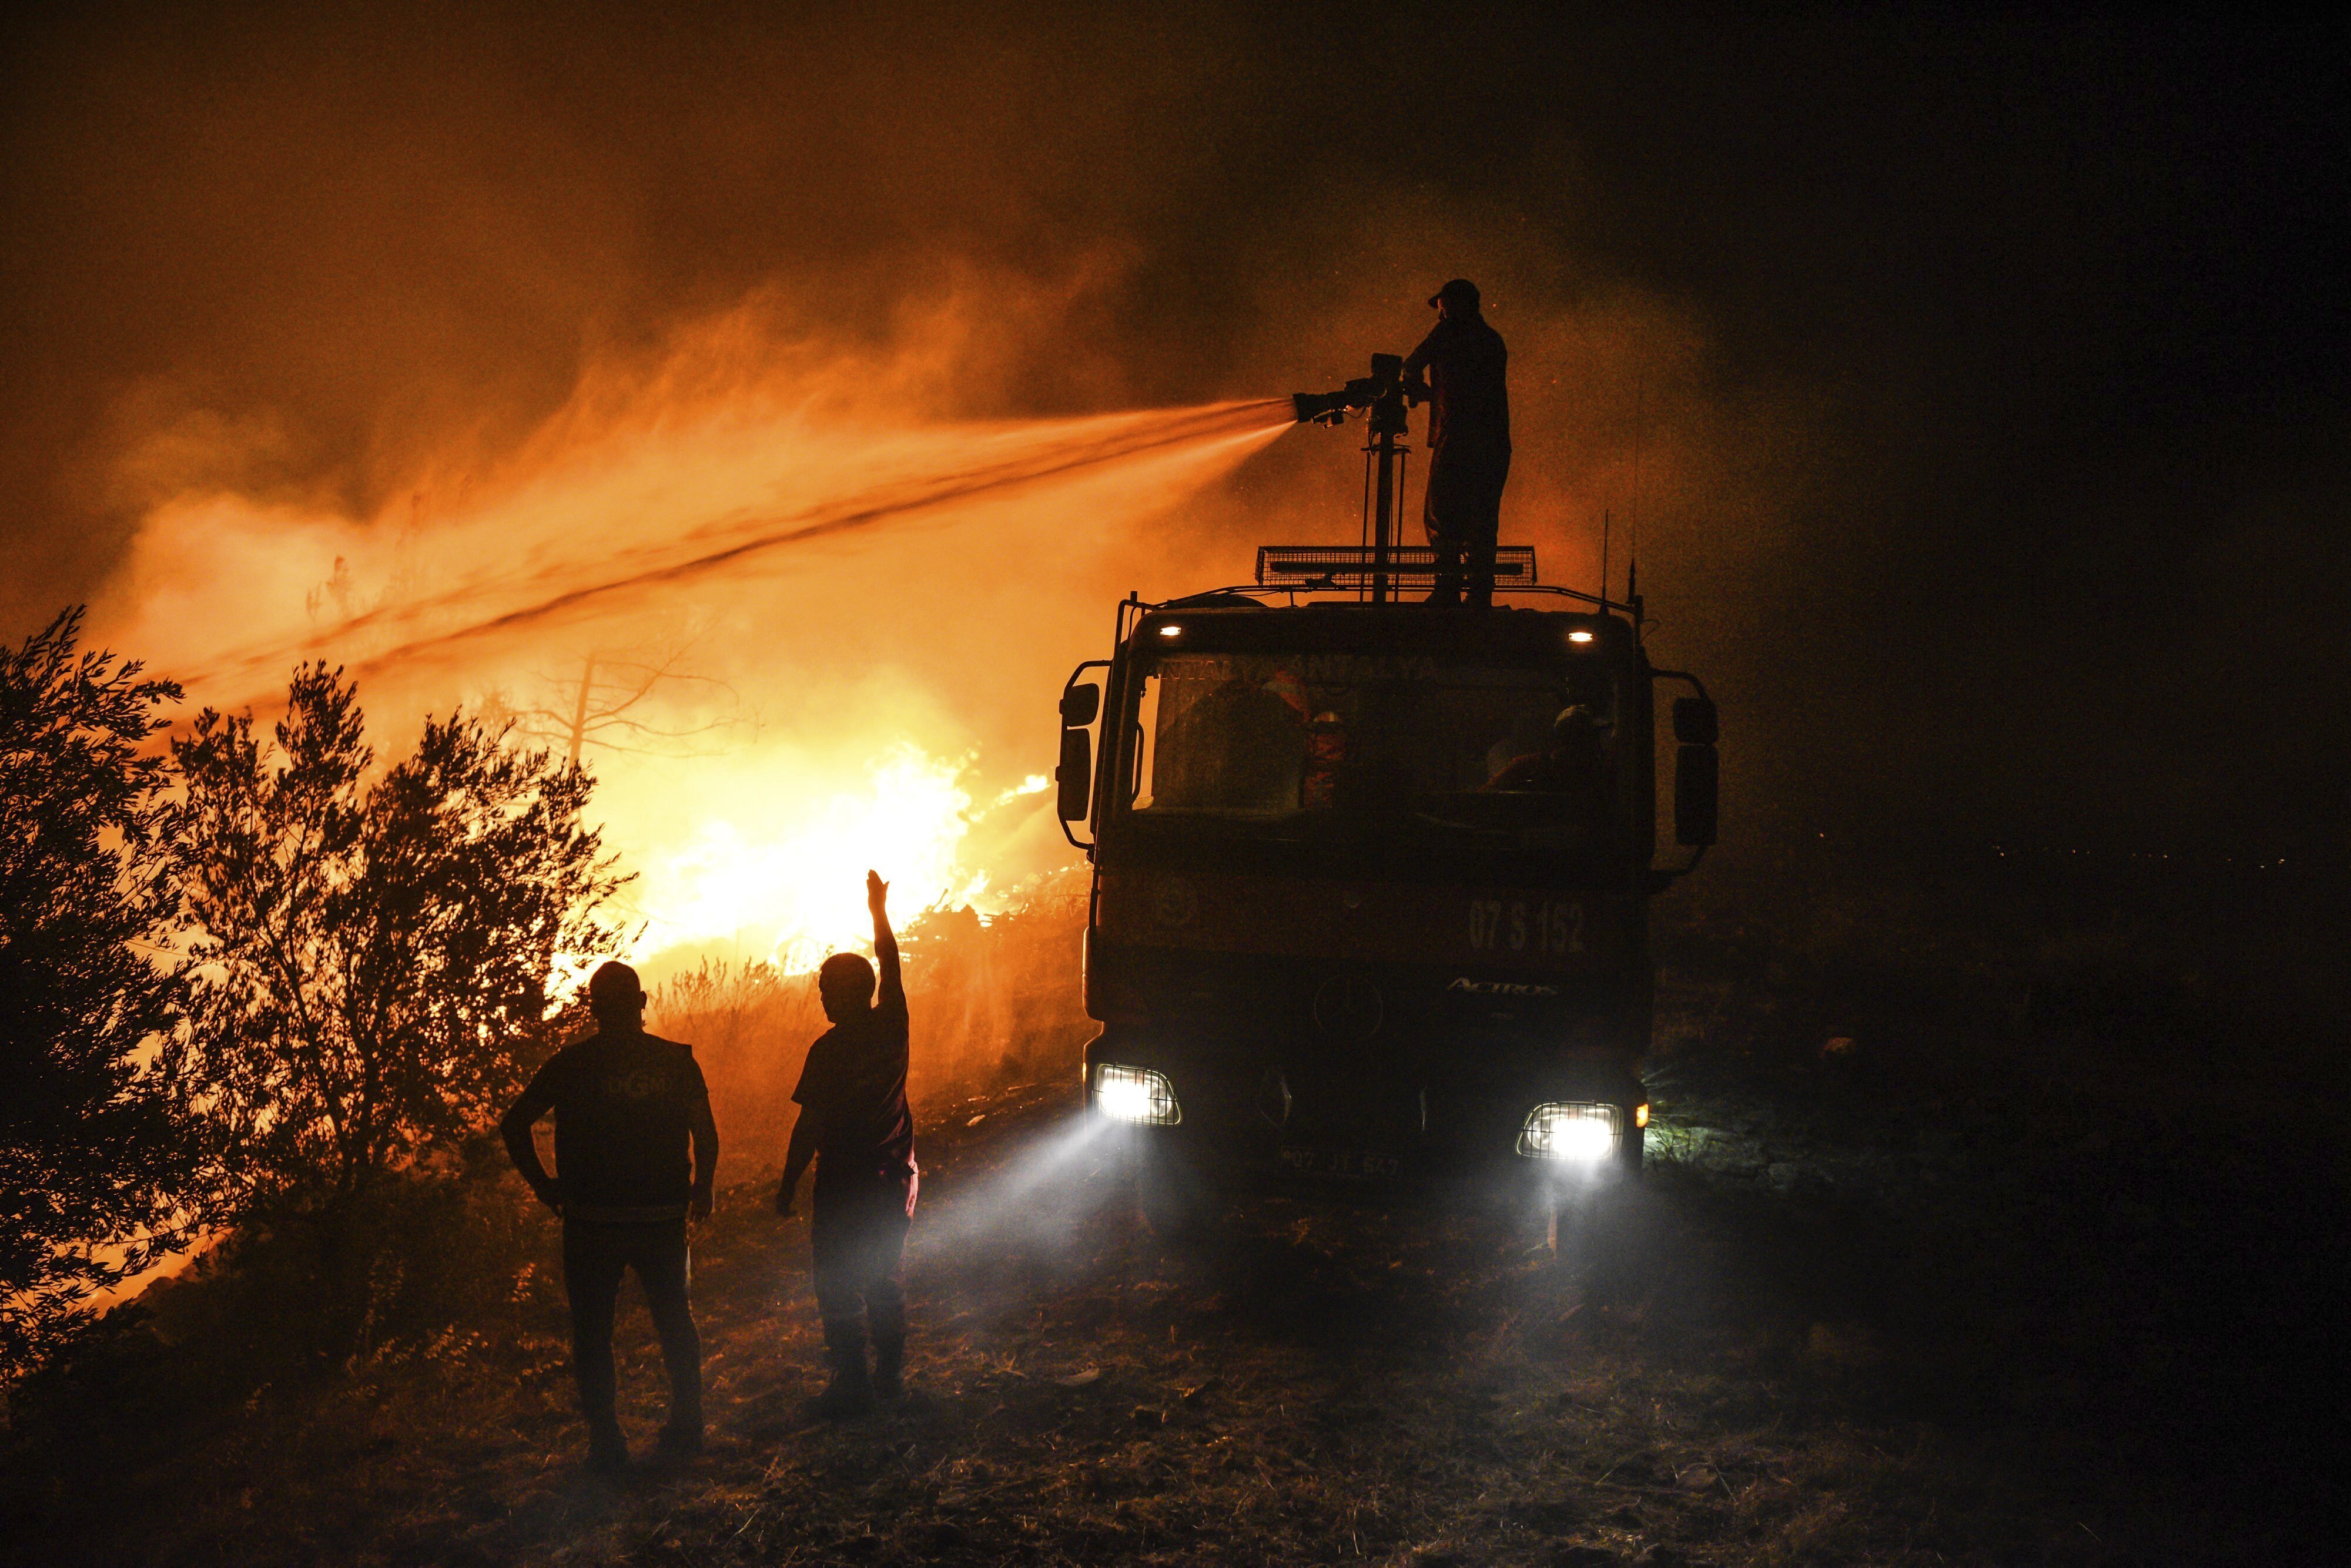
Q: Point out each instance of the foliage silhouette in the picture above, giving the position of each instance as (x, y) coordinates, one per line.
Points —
(373, 977)
(95, 1146)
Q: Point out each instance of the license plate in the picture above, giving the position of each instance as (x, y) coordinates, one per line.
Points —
(1361, 1163)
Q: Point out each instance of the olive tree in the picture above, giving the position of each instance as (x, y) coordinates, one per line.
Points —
(97, 1145)
(374, 954)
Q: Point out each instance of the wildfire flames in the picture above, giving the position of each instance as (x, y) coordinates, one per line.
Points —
(791, 891)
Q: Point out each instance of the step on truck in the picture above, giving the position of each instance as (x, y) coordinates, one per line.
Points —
(1370, 875)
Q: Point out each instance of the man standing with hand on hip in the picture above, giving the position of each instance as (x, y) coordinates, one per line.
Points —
(855, 1124)
(627, 1106)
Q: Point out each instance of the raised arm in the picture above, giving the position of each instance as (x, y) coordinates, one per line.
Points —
(515, 1125)
(891, 993)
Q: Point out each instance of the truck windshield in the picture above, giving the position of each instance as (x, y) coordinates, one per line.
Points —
(1301, 744)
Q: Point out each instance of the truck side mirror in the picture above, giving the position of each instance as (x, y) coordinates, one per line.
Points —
(1079, 706)
(1695, 723)
(1076, 773)
(1696, 783)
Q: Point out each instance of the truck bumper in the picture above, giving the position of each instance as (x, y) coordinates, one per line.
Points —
(1419, 1112)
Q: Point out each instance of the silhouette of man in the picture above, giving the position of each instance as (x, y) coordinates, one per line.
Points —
(626, 1104)
(1466, 369)
(854, 1123)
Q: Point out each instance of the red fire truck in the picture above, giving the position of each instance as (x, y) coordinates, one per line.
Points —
(1370, 876)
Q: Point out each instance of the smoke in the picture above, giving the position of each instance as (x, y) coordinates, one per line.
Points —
(695, 480)
(853, 377)
(881, 600)
(865, 597)
(1944, 356)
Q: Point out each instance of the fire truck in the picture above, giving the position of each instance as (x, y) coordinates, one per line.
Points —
(1371, 874)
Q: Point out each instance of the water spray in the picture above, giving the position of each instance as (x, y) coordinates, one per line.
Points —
(532, 594)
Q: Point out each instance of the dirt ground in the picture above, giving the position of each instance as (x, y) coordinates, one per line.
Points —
(1332, 1378)
(1995, 1268)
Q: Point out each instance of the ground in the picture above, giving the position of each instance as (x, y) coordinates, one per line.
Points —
(1910, 1278)
(1334, 1376)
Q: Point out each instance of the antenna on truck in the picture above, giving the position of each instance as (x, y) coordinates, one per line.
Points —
(1604, 555)
(1633, 523)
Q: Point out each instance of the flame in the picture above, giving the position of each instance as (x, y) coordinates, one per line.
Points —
(793, 892)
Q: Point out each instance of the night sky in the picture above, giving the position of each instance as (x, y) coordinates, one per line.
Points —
(2020, 341)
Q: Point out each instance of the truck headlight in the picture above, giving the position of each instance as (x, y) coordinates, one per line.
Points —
(1583, 1132)
(1136, 1094)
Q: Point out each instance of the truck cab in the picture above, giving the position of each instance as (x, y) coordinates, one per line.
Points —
(1370, 878)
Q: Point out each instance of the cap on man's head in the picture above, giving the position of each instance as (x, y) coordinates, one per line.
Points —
(613, 988)
(1459, 291)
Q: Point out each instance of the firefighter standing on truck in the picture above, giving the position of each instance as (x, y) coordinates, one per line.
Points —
(1466, 367)
(855, 1124)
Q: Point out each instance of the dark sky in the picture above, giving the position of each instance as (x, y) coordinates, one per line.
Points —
(2048, 311)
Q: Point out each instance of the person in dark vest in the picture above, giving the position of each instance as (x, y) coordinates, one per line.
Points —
(627, 1106)
(1460, 370)
(855, 1124)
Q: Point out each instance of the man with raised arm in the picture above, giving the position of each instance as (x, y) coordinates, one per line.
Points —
(627, 1105)
(854, 1123)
